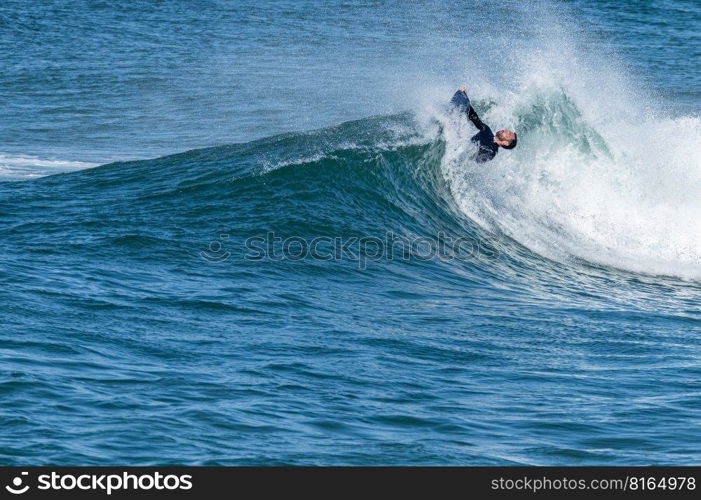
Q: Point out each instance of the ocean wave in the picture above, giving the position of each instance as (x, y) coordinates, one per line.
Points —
(617, 191)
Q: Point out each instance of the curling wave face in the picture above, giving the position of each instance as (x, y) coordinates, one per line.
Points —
(623, 192)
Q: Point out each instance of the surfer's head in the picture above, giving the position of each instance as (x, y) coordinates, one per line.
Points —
(506, 139)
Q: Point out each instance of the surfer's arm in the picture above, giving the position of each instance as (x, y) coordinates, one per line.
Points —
(472, 115)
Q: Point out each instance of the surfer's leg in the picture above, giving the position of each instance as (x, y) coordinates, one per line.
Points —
(460, 101)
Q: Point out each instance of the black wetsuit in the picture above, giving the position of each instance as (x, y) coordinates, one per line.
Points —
(485, 137)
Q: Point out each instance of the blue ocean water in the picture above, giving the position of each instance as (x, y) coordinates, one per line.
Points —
(220, 290)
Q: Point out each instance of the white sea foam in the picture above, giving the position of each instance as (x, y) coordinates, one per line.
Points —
(18, 167)
(601, 172)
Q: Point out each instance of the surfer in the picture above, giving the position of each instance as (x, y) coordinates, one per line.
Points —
(486, 140)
